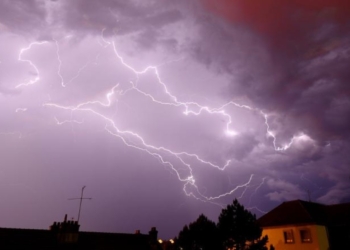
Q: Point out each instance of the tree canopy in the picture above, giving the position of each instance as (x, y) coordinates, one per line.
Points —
(237, 228)
(201, 234)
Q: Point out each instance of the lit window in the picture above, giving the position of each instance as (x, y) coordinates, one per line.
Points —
(305, 235)
(288, 236)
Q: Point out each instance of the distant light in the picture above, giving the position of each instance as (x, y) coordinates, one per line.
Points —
(171, 241)
(160, 241)
(303, 137)
(231, 133)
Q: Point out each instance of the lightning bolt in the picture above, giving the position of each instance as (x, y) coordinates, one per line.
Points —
(258, 209)
(256, 189)
(63, 83)
(37, 73)
(67, 121)
(271, 134)
(134, 140)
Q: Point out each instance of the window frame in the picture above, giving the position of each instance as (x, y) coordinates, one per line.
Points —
(288, 240)
(305, 239)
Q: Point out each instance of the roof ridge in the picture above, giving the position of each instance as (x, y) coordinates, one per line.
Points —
(300, 202)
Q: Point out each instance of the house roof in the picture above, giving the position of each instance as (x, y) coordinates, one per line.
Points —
(303, 212)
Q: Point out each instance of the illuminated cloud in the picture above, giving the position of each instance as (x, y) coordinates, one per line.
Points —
(170, 109)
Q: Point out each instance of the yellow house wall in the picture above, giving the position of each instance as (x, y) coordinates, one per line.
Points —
(319, 239)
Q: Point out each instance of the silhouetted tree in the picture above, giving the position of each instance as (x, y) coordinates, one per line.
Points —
(201, 234)
(239, 229)
(184, 239)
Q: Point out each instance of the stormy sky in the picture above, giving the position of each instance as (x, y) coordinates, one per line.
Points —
(168, 109)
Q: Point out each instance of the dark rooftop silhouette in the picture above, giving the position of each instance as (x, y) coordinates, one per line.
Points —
(66, 235)
(303, 212)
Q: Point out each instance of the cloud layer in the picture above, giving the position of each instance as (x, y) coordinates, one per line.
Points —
(240, 101)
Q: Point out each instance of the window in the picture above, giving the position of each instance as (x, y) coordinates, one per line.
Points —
(288, 236)
(305, 235)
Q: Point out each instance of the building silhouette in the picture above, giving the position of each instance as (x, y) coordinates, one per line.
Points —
(66, 235)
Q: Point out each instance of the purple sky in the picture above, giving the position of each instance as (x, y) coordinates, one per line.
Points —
(168, 109)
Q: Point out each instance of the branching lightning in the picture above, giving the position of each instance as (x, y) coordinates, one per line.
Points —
(63, 83)
(132, 139)
(271, 134)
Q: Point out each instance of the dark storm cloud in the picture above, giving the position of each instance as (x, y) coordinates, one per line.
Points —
(288, 61)
(148, 39)
(295, 61)
(118, 17)
(283, 190)
(22, 16)
(241, 146)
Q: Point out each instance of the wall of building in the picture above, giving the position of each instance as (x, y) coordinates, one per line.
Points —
(318, 241)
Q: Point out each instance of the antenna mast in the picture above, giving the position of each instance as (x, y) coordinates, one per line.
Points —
(81, 201)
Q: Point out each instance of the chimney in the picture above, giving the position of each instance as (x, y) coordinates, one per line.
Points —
(66, 232)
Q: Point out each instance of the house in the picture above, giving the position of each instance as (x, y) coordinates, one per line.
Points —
(66, 235)
(306, 225)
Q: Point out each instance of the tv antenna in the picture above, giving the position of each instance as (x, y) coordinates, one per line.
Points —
(81, 201)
